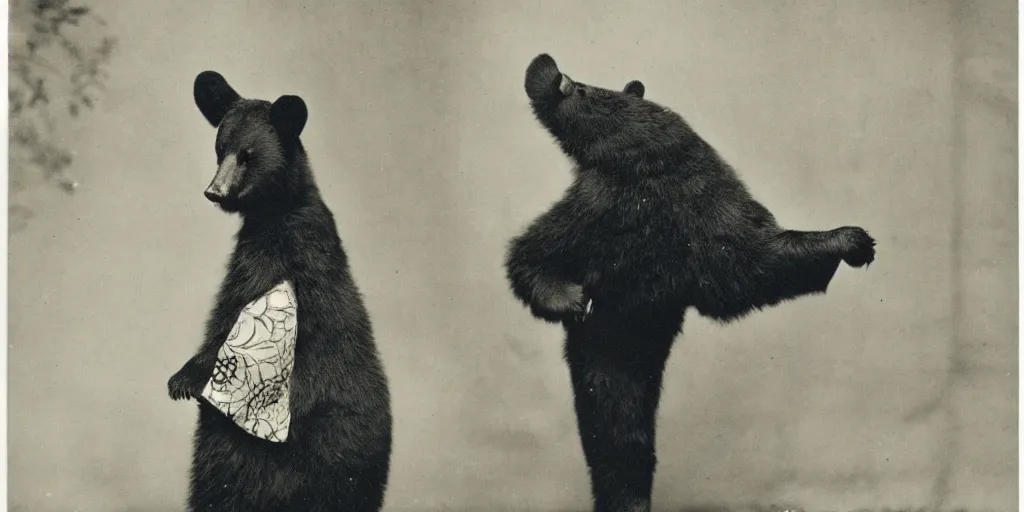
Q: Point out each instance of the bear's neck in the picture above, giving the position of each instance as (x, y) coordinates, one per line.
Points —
(280, 223)
(628, 162)
(295, 194)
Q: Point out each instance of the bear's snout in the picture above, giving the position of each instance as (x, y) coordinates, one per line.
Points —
(225, 181)
(543, 80)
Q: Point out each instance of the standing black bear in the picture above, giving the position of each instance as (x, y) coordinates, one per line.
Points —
(294, 407)
(654, 222)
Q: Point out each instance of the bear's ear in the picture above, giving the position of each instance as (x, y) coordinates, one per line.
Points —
(214, 96)
(288, 115)
(635, 88)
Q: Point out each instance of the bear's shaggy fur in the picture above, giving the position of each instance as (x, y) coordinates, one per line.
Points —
(654, 222)
(337, 455)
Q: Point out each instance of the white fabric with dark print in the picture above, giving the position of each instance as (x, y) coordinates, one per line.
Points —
(252, 377)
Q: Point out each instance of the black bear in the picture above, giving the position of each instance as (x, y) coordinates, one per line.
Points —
(653, 223)
(294, 406)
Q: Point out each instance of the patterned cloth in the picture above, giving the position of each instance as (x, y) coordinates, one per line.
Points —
(252, 376)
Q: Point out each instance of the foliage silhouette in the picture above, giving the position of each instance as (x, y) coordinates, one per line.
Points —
(56, 68)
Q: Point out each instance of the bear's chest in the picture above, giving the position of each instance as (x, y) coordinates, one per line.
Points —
(637, 225)
(638, 243)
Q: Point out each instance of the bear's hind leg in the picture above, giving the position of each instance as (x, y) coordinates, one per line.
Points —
(851, 244)
(616, 400)
(804, 262)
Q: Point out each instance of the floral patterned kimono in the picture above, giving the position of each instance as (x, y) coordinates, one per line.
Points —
(252, 376)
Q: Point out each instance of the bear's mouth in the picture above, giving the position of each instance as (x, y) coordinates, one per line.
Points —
(543, 80)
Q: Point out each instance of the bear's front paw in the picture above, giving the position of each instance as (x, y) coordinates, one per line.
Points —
(186, 383)
(858, 246)
(563, 299)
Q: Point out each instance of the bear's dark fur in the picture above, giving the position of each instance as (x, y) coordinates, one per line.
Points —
(337, 455)
(654, 222)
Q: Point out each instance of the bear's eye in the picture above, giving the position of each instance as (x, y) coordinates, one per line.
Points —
(244, 156)
(582, 91)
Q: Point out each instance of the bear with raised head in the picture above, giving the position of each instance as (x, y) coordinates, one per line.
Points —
(654, 222)
(294, 407)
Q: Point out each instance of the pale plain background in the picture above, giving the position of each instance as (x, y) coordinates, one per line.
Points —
(897, 388)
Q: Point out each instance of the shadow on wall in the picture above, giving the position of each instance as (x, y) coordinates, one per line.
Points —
(425, 149)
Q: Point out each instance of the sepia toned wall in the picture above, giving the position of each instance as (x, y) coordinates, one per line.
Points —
(897, 388)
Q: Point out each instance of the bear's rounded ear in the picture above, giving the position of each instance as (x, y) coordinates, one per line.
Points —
(288, 115)
(635, 88)
(214, 96)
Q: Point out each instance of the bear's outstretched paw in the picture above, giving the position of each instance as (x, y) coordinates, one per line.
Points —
(859, 247)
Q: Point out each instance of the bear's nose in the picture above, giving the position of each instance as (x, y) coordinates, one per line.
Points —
(213, 195)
